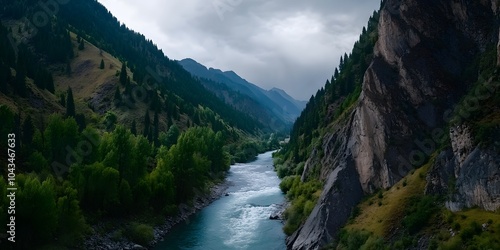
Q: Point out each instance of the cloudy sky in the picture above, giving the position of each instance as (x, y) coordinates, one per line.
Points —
(291, 44)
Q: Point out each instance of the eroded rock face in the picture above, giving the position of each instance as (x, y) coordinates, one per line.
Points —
(468, 174)
(462, 144)
(478, 182)
(424, 47)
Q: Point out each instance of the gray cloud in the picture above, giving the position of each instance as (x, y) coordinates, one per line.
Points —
(290, 44)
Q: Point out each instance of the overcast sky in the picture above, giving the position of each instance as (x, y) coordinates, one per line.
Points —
(291, 44)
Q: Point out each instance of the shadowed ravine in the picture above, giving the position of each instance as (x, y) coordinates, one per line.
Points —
(240, 220)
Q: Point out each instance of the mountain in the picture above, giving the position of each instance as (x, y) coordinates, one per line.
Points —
(400, 149)
(279, 93)
(276, 102)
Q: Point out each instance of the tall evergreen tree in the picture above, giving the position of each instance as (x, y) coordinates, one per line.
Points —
(118, 96)
(101, 66)
(156, 128)
(49, 85)
(123, 74)
(133, 128)
(70, 104)
(147, 124)
(5, 76)
(81, 46)
(80, 120)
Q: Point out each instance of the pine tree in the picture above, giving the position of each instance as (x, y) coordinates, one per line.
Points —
(169, 121)
(81, 46)
(5, 76)
(147, 123)
(123, 74)
(133, 129)
(118, 96)
(156, 128)
(70, 104)
(341, 64)
(101, 66)
(49, 85)
(80, 120)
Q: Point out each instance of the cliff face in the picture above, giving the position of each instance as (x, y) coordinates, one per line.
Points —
(409, 91)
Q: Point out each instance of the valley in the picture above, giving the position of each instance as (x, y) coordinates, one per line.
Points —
(109, 143)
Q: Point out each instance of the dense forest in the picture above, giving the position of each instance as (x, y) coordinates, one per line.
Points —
(153, 140)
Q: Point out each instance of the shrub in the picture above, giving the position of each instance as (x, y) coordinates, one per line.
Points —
(303, 197)
(420, 209)
(140, 233)
(352, 240)
(473, 229)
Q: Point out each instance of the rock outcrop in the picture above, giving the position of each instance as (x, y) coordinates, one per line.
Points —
(408, 92)
(469, 174)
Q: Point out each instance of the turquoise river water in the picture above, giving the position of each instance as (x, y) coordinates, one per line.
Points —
(240, 220)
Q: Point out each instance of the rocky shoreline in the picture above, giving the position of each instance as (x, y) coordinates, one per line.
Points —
(108, 240)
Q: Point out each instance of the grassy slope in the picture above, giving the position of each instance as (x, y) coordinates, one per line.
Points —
(381, 217)
(384, 218)
(87, 81)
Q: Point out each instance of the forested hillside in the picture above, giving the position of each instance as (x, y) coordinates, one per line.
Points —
(103, 126)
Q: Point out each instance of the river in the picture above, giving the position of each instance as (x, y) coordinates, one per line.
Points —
(240, 220)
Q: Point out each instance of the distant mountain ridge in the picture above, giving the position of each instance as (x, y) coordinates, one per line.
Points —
(276, 101)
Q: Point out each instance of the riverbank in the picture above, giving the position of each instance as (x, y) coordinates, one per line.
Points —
(113, 239)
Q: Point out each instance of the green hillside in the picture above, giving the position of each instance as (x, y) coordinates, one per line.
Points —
(106, 127)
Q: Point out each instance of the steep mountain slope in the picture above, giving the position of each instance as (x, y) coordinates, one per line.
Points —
(277, 103)
(430, 90)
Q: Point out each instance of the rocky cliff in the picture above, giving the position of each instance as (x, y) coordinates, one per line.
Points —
(419, 73)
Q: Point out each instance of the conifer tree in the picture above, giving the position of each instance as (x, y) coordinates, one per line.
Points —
(81, 46)
(123, 74)
(101, 66)
(133, 129)
(147, 124)
(118, 95)
(156, 128)
(70, 104)
(5, 76)
(49, 85)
